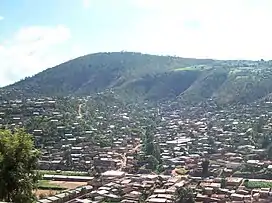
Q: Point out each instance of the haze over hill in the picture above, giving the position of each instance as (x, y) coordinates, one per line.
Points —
(135, 76)
(36, 35)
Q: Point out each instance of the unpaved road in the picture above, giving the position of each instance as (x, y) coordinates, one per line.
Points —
(124, 157)
(79, 110)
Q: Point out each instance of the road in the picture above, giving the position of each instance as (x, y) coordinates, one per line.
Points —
(124, 157)
(220, 173)
(136, 148)
(79, 110)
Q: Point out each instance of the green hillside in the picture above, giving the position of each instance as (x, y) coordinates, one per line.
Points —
(136, 76)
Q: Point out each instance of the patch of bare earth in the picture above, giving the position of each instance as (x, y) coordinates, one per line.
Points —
(45, 192)
(63, 184)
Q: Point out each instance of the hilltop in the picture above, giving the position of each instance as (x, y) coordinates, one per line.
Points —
(136, 76)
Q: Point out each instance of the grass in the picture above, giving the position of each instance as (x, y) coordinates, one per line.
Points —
(193, 68)
(257, 184)
(47, 185)
(181, 171)
(185, 68)
(65, 173)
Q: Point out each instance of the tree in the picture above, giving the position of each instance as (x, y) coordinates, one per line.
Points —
(68, 161)
(267, 140)
(269, 151)
(18, 163)
(152, 149)
(159, 168)
(205, 167)
(223, 182)
(152, 162)
(259, 125)
(149, 148)
(157, 152)
(149, 140)
(185, 195)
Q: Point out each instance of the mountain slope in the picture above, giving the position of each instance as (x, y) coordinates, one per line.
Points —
(97, 72)
(135, 76)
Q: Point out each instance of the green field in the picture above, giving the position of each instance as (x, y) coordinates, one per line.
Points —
(186, 68)
(258, 184)
(47, 185)
(65, 173)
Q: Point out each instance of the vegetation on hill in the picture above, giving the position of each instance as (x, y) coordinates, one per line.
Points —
(141, 77)
(47, 185)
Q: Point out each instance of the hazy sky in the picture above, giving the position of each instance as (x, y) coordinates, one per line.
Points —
(37, 34)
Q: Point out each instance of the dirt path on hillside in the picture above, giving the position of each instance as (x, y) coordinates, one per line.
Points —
(124, 157)
(79, 110)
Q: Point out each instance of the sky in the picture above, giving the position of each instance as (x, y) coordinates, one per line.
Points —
(39, 34)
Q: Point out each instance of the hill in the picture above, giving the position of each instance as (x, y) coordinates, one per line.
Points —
(136, 76)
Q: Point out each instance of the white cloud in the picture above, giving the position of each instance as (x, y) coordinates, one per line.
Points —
(1, 18)
(212, 28)
(33, 49)
(189, 28)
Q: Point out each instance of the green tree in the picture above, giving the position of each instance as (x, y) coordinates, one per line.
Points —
(18, 164)
(68, 161)
(223, 182)
(205, 167)
(269, 151)
(152, 162)
(267, 139)
(159, 168)
(151, 148)
(259, 125)
(157, 152)
(185, 195)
